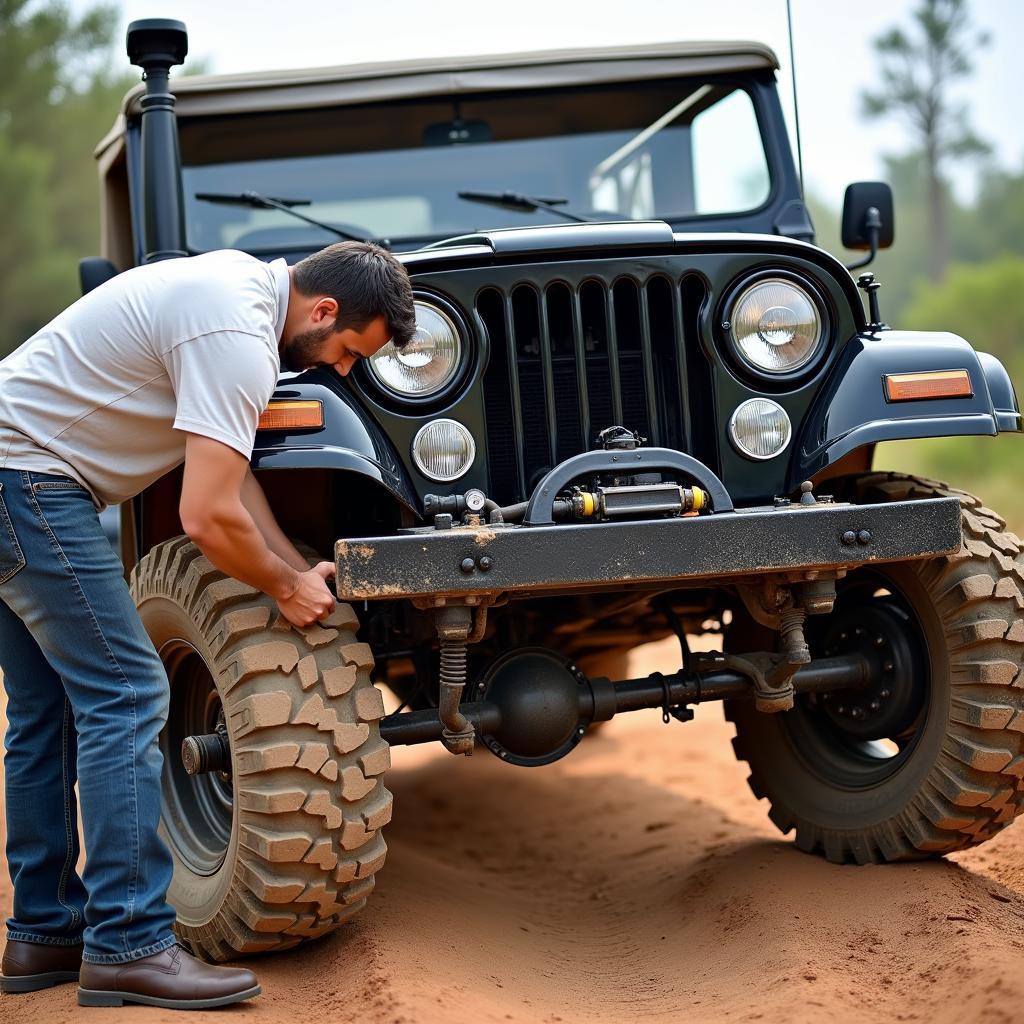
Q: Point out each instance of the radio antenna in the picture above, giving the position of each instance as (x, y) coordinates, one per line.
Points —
(796, 106)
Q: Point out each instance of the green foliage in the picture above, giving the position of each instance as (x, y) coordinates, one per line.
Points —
(995, 223)
(983, 303)
(58, 97)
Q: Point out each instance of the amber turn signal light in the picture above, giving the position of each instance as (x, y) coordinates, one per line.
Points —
(905, 387)
(292, 416)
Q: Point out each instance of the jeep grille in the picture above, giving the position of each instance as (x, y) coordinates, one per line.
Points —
(572, 359)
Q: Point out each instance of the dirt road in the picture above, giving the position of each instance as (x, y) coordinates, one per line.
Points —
(638, 879)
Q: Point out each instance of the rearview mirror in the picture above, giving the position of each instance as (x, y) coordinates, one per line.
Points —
(867, 218)
(860, 197)
(456, 132)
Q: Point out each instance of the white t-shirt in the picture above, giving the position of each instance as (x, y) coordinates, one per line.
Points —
(105, 392)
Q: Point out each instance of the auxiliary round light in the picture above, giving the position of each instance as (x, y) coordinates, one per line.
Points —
(760, 428)
(443, 450)
(775, 326)
(428, 362)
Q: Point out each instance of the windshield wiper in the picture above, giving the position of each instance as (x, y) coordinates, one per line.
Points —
(262, 202)
(517, 201)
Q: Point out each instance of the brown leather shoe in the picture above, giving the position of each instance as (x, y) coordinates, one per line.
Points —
(30, 966)
(172, 978)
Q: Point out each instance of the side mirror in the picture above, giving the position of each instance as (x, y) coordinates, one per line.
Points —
(94, 271)
(867, 219)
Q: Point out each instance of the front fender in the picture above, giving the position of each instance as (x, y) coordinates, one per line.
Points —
(349, 441)
(851, 409)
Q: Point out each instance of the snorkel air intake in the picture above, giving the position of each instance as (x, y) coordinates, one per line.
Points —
(156, 45)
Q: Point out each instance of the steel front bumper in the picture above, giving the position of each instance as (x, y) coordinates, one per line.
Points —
(489, 560)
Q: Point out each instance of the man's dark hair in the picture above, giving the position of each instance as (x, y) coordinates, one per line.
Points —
(366, 281)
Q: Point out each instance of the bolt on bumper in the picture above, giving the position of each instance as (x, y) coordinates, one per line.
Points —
(482, 561)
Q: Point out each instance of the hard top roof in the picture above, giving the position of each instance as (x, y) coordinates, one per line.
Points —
(249, 92)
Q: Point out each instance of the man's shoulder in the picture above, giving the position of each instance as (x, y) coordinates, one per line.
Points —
(225, 288)
(237, 257)
(219, 264)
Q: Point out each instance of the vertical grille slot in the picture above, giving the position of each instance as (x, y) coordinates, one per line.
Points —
(593, 300)
(565, 372)
(503, 410)
(703, 440)
(635, 403)
(669, 376)
(532, 359)
(579, 350)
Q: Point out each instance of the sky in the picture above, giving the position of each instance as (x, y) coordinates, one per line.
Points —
(834, 56)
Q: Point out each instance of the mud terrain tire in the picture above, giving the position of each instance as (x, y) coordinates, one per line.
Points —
(284, 849)
(962, 780)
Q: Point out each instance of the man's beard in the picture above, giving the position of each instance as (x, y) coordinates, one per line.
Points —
(303, 351)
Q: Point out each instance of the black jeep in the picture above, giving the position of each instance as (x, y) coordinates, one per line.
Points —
(640, 402)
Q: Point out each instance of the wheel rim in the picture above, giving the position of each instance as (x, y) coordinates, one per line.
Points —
(859, 739)
(197, 810)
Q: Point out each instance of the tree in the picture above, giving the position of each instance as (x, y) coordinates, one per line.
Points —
(916, 77)
(58, 97)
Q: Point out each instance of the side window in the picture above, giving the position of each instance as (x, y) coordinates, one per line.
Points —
(730, 172)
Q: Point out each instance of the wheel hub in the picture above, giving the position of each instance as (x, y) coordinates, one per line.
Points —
(889, 705)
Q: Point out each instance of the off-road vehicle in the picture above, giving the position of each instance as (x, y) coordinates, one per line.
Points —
(640, 402)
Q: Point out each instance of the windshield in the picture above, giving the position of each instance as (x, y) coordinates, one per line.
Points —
(671, 150)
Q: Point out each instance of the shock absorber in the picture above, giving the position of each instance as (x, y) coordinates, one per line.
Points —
(454, 625)
(792, 644)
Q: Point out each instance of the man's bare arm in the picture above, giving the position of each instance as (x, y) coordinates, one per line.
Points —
(255, 502)
(214, 516)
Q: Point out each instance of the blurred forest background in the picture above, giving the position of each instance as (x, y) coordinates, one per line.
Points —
(955, 266)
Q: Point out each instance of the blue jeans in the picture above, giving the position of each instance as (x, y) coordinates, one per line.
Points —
(87, 696)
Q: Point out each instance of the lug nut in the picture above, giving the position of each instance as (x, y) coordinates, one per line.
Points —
(857, 714)
(841, 709)
(884, 694)
(887, 666)
(879, 641)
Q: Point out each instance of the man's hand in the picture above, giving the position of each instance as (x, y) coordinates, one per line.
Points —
(312, 600)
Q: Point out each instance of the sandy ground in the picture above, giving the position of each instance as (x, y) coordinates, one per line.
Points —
(636, 880)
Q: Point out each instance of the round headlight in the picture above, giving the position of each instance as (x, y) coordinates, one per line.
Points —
(760, 428)
(443, 450)
(427, 364)
(775, 326)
